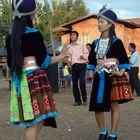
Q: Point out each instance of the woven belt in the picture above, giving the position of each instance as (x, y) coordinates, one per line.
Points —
(30, 63)
(31, 67)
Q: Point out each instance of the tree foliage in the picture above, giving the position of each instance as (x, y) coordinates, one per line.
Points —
(5, 20)
(59, 12)
(68, 11)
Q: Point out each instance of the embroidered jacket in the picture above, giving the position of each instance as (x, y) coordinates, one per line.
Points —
(116, 50)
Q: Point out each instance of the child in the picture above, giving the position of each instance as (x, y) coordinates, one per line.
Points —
(67, 75)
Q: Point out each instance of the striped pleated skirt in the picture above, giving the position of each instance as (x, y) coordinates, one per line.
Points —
(121, 89)
(32, 100)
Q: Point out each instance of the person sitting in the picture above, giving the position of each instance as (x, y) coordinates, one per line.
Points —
(67, 75)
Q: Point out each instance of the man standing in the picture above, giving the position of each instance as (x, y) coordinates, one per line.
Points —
(77, 57)
(134, 61)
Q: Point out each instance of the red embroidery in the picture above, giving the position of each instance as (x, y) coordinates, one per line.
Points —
(126, 91)
(46, 102)
(35, 107)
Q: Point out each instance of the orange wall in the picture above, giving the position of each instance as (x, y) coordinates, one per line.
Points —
(88, 27)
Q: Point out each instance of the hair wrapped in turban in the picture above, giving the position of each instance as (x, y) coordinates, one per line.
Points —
(107, 15)
(23, 7)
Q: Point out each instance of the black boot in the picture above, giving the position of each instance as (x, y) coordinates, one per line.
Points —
(76, 104)
(112, 138)
(103, 136)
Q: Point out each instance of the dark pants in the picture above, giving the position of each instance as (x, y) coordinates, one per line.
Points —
(134, 80)
(78, 74)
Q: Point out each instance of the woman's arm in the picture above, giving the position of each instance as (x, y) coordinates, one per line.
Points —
(42, 58)
(61, 56)
(55, 59)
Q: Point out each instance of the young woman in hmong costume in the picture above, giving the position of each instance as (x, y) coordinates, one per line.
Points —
(32, 103)
(108, 62)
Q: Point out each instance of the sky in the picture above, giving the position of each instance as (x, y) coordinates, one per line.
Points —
(124, 8)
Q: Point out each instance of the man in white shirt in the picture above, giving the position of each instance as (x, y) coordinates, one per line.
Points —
(77, 57)
(134, 61)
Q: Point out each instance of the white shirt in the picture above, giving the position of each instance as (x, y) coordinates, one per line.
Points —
(134, 59)
(77, 50)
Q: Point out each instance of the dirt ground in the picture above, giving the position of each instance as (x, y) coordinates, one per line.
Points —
(75, 123)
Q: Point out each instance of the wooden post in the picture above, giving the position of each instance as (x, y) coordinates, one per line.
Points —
(49, 17)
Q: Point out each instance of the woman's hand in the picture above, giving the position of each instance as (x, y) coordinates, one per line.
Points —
(81, 57)
(118, 72)
(90, 75)
(61, 56)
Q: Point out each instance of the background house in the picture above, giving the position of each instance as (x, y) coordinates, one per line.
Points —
(128, 30)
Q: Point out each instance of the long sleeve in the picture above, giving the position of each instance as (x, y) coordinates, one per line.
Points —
(77, 53)
(121, 55)
(134, 58)
(86, 53)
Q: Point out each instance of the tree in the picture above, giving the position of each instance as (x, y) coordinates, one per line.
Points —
(49, 18)
(68, 11)
(55, 5)
(5, 20)
(61, 12)
(79, 9)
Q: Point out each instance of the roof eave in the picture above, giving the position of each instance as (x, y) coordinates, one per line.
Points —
(68, 25)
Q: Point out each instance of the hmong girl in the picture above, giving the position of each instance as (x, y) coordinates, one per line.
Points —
(108, 62)
(32, 103)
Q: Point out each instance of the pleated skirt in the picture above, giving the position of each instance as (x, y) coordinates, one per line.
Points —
(34, 102)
